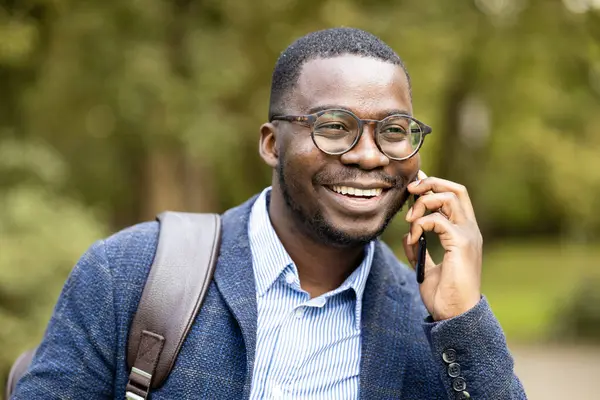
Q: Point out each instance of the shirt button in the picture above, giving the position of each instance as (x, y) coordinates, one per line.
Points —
(459, 384)
(449, 356)
(320, 301)
(289, 278)
(299, 313)
(463, 396)
(454, 370)
(277, 392)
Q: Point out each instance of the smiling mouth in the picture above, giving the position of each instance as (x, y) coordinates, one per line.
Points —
(356, 193)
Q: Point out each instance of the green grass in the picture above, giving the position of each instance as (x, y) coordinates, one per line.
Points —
(527, 282)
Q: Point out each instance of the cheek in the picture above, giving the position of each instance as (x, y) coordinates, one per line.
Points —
(295, 145)
(408, 168)
(414, 163)
(302, 145)
(302, 160)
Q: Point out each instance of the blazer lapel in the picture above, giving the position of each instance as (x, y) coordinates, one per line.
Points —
(234, 277)
(385, 327)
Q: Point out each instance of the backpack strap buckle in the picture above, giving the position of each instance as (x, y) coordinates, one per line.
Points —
(138, 386)
(148, 354)
(133, 396)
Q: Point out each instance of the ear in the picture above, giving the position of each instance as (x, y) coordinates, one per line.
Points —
(267, 146)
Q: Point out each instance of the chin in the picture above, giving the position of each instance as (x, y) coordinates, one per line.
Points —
(349, 233)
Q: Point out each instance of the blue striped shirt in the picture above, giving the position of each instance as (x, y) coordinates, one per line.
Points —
(305, 348)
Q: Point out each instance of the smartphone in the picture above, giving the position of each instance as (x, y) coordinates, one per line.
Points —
(421, 253)
(422, 243)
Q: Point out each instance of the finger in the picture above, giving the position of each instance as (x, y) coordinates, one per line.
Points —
(409, 251)
(430, 266)
(446, 202)
(435, 222)
(438, 185)
(420, 176)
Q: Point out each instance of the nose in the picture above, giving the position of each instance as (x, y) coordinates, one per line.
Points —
(365, 154)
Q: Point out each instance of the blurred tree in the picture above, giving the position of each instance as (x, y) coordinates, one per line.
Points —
(111, 111)
(157, 104)
(578, 317)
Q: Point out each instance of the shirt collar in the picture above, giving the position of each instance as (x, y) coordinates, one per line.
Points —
(270, 257)
(358, 281)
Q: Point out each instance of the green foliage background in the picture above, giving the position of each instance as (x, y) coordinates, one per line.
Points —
(113, 110)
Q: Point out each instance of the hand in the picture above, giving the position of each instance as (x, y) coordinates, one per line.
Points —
(453, 286)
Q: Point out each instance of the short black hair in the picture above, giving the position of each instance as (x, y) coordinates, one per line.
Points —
(326, 43)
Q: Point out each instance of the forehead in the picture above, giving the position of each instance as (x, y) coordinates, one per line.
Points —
(367, 86)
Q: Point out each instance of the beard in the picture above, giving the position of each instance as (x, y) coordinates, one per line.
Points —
(316, 225)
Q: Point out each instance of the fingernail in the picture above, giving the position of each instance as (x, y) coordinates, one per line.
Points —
(415, 183)
(409, 213)
(408, 238)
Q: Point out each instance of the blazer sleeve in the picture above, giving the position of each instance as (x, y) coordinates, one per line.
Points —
(472, 356)
(76, 358)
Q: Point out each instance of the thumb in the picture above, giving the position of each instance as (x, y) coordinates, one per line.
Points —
(411, 254)
(431, 269)
(410, 251)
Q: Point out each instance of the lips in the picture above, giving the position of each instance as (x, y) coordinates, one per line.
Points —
(353, 203)
(357, 192)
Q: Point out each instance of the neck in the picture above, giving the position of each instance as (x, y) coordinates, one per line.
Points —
(321, 267)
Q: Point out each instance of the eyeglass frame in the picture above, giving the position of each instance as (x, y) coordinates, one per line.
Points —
(309, 121)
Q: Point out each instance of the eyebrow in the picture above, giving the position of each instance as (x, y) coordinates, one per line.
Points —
(384, 113)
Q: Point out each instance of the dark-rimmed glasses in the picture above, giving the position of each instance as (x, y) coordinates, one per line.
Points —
(336, 132)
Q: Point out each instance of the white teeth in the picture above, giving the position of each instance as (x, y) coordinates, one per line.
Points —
(357, 192)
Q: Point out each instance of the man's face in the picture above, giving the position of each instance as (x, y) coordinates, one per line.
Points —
(309, 180)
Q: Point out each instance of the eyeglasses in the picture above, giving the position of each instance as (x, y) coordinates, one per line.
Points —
(336, 132)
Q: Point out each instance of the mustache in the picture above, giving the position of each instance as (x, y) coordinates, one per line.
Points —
(350, 174)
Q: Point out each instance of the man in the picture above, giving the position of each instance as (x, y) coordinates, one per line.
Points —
(306, 302)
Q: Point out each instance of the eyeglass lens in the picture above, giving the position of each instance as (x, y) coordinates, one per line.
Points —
(335, 132)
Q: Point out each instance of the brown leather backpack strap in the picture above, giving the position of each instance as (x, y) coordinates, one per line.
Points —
(188, 247)
(17, 370)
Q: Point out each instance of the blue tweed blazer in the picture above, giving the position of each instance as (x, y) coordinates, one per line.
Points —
(83, 352)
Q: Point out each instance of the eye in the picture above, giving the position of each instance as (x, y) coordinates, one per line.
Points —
(393, 129)
(393, 133)
(334, 126)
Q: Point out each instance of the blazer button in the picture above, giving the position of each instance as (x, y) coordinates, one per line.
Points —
(459, 384)
(463, 396)
(454, 370)
(449, 356)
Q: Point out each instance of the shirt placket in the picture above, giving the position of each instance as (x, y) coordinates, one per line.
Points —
(290, 348)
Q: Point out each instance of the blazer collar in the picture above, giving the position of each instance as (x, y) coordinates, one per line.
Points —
(234, 278)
